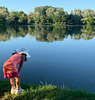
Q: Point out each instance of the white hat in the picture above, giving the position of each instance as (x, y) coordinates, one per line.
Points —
(23, 50)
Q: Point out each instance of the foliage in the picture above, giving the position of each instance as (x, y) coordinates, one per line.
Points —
(22, 18)
(30, 18)
(47, 15)
(3, 14)
(88, 17)
(48, 33)
(89, 20)
(12, 18)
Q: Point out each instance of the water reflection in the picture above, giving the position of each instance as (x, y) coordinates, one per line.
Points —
(47, 33)
(68, 62)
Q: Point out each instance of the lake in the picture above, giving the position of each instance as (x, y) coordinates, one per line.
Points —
(60, 55)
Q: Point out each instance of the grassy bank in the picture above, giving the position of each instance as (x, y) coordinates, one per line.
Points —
(47, 92)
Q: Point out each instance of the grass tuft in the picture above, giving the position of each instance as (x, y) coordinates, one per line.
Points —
(44, 92)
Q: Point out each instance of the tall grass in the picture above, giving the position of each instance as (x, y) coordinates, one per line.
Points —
(44, 92)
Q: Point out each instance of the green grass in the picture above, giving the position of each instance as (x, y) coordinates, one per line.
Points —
(45, 92)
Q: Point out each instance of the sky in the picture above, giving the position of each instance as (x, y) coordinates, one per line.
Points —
(29, 5)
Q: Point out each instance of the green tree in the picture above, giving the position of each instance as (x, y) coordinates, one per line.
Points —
(22, 18)
(50, 14)
(40, 15)
(75, 17)
(88, 16)
(89, 20)
(3, 14)
(59, 17)
(12, 18)
(30, 18)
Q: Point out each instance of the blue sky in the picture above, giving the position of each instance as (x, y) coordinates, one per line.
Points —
(29, 5)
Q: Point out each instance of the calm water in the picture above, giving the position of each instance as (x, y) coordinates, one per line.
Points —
(60, 55)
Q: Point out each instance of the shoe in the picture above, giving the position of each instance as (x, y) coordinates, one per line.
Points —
(13, 90)
(19, 90)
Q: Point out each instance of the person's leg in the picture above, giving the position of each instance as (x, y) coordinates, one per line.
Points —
(12, 82)
(12, 85)
(17, 81)
(18, 88)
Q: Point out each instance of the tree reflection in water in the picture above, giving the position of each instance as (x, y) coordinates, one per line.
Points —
(48, 33)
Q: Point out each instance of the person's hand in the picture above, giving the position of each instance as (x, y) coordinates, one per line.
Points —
(18, 75)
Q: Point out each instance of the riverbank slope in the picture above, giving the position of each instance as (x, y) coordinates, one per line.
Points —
(45, 92)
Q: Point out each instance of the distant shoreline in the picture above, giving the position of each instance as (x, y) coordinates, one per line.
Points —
(47, 15)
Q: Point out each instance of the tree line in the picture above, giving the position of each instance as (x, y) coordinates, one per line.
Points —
(47, 33)
(47, 15)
